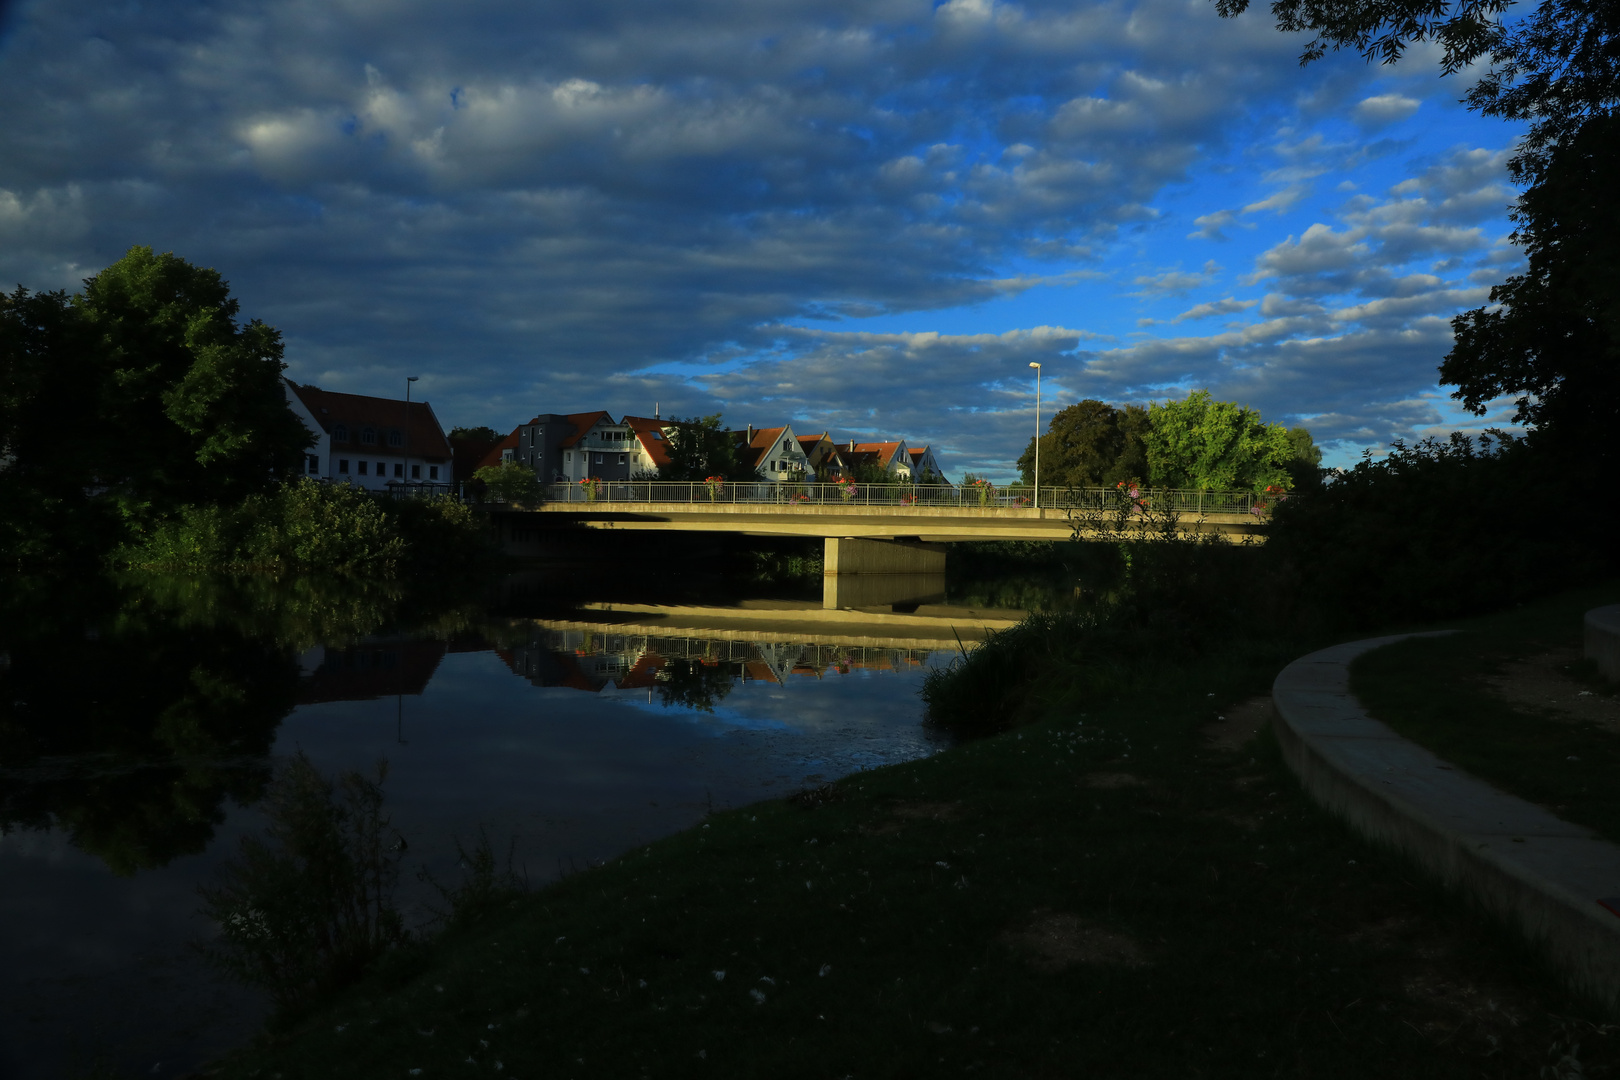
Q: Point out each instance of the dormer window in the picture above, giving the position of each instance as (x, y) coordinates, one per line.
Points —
(396, 437)
(340, 433)
(368, 436)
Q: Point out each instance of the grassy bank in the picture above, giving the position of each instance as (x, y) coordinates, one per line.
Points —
(1509, 699)
(1128, 887)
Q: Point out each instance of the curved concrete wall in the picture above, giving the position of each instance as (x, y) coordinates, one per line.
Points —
(1557, 882)
(1603, 640)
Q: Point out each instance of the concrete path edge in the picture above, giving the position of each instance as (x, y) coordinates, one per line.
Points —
(1538, 873)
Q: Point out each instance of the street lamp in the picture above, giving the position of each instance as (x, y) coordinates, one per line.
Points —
(1037, 367)
(408, 380)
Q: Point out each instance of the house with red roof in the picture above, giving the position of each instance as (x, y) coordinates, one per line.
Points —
(924, 469)
(371, 442)
(774, 453)
(891, 457)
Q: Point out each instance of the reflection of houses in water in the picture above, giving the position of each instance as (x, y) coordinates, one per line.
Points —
(593, 660)
(367, 670)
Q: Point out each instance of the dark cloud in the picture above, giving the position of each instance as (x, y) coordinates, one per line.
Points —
(547, 205)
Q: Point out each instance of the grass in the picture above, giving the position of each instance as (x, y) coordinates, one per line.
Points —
(1096, 893)
(1434, 691)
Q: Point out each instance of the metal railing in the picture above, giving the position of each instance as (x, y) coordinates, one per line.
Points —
(815, 497)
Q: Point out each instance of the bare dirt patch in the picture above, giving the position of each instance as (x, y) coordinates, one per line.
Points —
(1112, 781)
(1239, 723)
(1054, 941)
(1542, 683)
(905, 813)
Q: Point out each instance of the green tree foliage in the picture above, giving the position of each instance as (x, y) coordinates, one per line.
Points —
(1551, 335)
(511, 482)
(1090, 444)
(474, 434)
(1198, 442)
(48, 429)
(305, 525)
(134, 398)
(192, 408)
(700, 448)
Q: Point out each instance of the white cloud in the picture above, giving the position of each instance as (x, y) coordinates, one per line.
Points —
(1384, 109)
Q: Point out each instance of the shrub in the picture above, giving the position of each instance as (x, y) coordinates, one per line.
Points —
(309, 907)
(512, 483)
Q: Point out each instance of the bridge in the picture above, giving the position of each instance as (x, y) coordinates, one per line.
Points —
(872, 528)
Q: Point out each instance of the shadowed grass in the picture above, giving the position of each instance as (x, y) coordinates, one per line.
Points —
(1095, 893)
(1434, 692)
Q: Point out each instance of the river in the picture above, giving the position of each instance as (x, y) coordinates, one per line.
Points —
(141, 720)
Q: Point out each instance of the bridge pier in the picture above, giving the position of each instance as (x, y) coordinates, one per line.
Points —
(857, 555)
(860, 573)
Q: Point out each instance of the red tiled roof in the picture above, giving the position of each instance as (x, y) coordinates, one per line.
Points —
(357, 412)
(583, 422)
(761, 443)
(884, 450)
(494, 456)
(645, 429)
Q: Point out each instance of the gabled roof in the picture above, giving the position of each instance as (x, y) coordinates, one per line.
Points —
(885, 451)
(583, 422)
(650, 434)
(494, 456)
(356, 412)
(762, 442)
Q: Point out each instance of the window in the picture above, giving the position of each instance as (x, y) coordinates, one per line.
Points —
(399, 469)
(396, 437)
(313, 463)
(599, 459)
(784, 446)
(622, 459)
(569, 457)
(368, 436)
(416, 472)
(363, 468)
(433, 472)
(340, 433)
(343, 466)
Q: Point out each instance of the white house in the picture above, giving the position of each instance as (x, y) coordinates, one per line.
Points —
(774, 453)
(371, 442)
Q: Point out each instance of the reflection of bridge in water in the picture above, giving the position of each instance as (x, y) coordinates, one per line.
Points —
(590, 658)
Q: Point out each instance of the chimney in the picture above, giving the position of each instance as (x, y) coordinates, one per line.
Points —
(655, 410)
(750, 437)
(852, 446)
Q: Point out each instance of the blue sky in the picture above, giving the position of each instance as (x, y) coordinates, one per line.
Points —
(867, 217)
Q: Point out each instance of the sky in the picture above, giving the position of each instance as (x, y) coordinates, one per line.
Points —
(862, 216)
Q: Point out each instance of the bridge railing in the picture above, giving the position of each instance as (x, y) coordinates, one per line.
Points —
(818, 495)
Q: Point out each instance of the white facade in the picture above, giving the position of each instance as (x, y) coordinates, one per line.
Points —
(783, 460)
(374, 465)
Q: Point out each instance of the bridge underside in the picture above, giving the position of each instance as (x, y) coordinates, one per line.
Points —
(928, 524)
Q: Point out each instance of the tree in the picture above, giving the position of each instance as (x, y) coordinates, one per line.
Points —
(48, 410)
(512, 482)
(473, 434)
(1089, 444)
(1198, 442)
(700, 448)
(1552, 334)
(1304, 467)
(190, 407)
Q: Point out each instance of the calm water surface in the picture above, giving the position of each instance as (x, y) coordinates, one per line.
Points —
(137, 736)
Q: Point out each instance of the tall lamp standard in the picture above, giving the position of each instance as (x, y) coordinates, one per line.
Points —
(1037, 368)
(408, 380)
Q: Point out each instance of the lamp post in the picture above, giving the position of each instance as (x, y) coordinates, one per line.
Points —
(408, 380)
(1037, 499)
